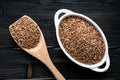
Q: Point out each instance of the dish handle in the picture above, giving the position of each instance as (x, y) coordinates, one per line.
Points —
(57, 15)
(103, 69)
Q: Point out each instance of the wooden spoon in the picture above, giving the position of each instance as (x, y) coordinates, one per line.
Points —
(41, 53)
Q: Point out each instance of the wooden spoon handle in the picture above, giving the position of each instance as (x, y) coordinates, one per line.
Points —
(54, 70)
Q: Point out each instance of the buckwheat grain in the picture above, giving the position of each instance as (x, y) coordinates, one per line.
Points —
(81, 40)
(25, 33)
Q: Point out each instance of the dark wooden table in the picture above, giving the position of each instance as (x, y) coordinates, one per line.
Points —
(14, 61)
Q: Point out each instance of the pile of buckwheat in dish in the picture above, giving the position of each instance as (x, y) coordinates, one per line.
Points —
(81, 40)
(25, 32)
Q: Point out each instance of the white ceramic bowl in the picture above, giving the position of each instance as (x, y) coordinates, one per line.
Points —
(94, 67)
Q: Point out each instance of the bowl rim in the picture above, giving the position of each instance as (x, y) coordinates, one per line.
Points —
(99, 30)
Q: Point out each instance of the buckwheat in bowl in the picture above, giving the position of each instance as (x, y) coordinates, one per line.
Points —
(82, 40)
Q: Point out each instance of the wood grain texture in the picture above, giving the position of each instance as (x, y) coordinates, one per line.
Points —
(14, 61)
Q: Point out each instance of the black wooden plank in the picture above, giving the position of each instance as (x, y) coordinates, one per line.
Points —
(18, 57)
